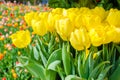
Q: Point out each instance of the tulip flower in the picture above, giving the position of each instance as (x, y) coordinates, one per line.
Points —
(79, 39)
(21, 38)
(64, 27)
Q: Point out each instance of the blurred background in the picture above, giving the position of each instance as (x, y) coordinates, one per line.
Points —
(107, 4)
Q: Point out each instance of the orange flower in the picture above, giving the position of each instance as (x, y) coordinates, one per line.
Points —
(1, 27)
(13, 45)
(9, 25)
(16, 24)
(1, 56)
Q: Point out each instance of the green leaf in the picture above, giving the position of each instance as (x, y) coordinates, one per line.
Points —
(61, 73)
(80, 66)
(53, 65)
(42, 48)
(36, 54)
(66, 59)
(50, 75)
(56, 55)
(94, 72)
(91, 62)
(33, 67)
(43, 58)
(116, 74)
(42, 55)
(73, 77)
(103, 73)
(51, 42)
(118, 47)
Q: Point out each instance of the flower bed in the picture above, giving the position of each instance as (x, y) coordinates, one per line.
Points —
(62, 44)
(12, 20)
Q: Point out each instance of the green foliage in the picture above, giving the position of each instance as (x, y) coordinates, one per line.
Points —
(71, 3)
(62, 63)
(107, 4)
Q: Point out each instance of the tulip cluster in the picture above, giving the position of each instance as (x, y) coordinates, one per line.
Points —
(83, 27)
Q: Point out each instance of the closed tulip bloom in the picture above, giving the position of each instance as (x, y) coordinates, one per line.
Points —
(21, 38)
(57, 11)
(96, 36)
(100, 11)
(51, 22)
(117, 35)
(28, 18)
(79, 39)
(110, 34)
(39, 28)
(64, 28)
(113, 17)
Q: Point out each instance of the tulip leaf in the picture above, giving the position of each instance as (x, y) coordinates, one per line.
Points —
(118, 47)
(80, 66)
(51, 44)
(50, 75)
(53, 65)
(37, 70)
(95, 70)
(86, 68)
(35, 52)
(103, 73)
(56, 55)
(116, 74)
(43, 49)
(66, 59)
(42, 56)
(73, 77)
(91, 62)
(51, 41)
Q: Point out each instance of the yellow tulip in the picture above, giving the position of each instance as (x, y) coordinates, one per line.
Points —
(51, 22)
(21, 38)
(64, 27)
(102, 34)
(39, 28)
(99, 11)
(96, 37)
(117, 35)
(57, 11)
(110, 32)
(113, 17)
(43, 15)
(28, 18)
(79, 39)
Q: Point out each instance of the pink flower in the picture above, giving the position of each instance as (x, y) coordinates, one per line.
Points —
(10, 32)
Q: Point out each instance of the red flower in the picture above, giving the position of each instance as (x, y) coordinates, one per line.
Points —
(0, 34)
(12, 15)
(4, 78)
